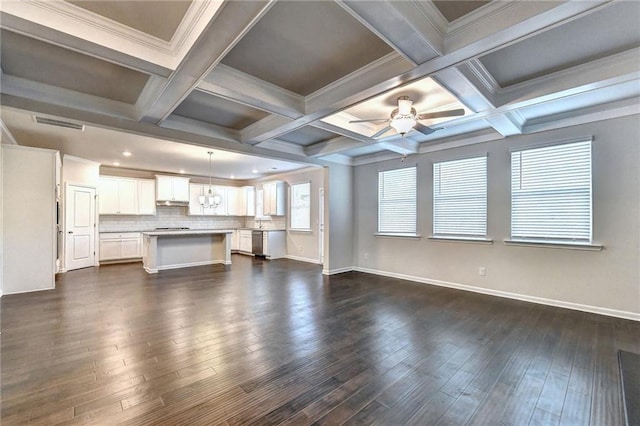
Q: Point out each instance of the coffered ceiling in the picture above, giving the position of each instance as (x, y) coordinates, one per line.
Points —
(283, 79)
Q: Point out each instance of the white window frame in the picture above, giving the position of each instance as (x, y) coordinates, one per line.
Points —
(300, 208)
(396, 203)
(459, 194)
(543, 230)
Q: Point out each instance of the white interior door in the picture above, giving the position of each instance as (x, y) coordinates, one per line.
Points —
(80, 222)
(321, 225)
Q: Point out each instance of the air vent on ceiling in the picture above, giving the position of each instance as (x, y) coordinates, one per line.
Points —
(59, 123)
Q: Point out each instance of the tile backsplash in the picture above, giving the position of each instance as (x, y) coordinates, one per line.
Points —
(176, 217)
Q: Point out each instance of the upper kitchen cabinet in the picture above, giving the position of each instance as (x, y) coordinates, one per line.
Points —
(117, 195)
(172, 188)
(246, 201)
(120, 195)
(274, 198)
(146, 197)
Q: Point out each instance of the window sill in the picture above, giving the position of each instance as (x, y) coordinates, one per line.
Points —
(461, 240)
(386, 235)
(555, 245)
(301, 231)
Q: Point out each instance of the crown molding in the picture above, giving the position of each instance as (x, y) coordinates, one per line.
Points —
(7, 136)
(84, 24)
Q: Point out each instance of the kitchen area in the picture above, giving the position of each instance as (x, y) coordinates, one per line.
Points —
(92, 214)
(171, 222)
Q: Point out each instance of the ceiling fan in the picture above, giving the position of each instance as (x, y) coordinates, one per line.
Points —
(405, 118)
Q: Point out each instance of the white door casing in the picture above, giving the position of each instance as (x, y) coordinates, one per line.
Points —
(80, 222)
(321, 226)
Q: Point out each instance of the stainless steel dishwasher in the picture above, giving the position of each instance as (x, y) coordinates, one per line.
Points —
(256, 243)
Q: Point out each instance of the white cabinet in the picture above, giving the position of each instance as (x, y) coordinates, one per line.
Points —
(119, 246)
(235, 240)
(274, 198)
(245, 240)
(117, 195)
(233, 197)
(195, 191)
(274, 245)
(146, 197)
(198, 190)
(172, 188)
(246, 201)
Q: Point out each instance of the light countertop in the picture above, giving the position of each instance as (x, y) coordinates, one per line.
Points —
(188, 232)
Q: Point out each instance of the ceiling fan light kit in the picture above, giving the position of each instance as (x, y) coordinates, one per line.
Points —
(404, 118)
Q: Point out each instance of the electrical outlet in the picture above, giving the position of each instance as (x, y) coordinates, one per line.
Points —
(482, 271)
(365, 256)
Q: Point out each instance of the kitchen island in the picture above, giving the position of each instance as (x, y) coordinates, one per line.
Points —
(174, 249)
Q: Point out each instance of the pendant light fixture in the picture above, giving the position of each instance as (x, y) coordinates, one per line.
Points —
(209, 200)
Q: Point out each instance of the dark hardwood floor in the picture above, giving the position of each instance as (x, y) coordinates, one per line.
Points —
(275, 342)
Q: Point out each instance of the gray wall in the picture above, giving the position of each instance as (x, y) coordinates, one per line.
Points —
(608, 279)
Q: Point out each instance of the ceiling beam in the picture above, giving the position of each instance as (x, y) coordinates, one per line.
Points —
(402, 25)
(400, 145)
(229, 83)
(149, 129)
(233, 21)
(332, 146)
(507, 124)
(525, 19)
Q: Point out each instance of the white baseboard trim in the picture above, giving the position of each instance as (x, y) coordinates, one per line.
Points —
(337, 270)
(303, 259)
(508, 295)
(31, 291)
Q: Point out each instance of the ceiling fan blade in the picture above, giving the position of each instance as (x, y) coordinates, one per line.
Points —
(369, 120)
(380, 132)
(439, 114)
(425, 130)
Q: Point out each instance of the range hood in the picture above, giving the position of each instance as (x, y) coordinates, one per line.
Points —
(171, 203)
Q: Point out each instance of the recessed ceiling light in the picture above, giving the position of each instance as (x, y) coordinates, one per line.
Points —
(254, 171)
(126, 153)
(115, 163)
(181, 171)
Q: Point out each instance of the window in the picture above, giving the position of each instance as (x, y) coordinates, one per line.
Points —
(551, 193)
(460, 198)
(301, 206)
(397, 201)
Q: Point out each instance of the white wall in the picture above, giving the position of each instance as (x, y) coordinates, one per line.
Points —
(339, 218)
(78, 171)
(29, 219)
(606, 281)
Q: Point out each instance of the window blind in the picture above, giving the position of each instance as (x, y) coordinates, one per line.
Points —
(301, 206)
(397, 201)
(460, 198)
(551, 193)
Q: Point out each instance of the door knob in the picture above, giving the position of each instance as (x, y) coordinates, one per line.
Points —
(70, 232)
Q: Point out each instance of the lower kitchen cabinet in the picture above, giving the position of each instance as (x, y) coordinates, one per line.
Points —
(235, 241)
(274, 244)
(120, 246)
(245, 240)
